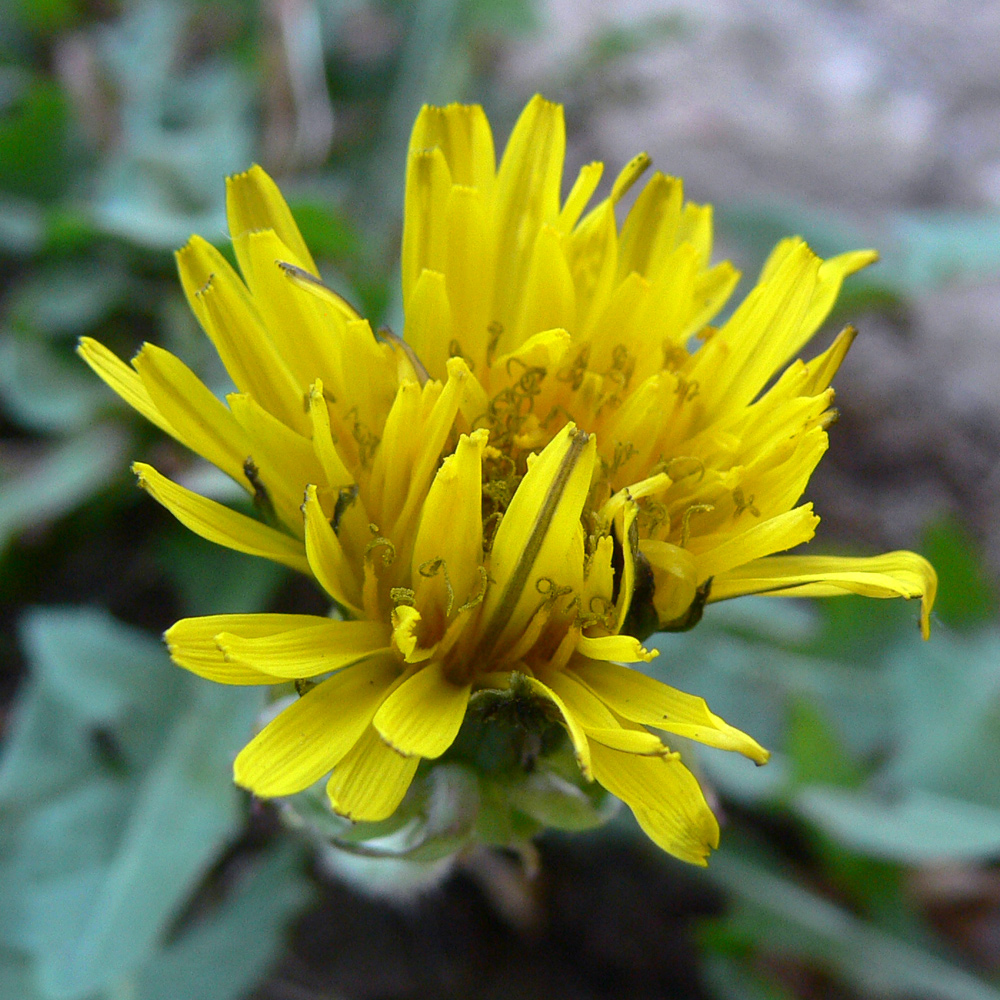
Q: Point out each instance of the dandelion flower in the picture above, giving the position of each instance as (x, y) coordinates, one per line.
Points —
(560, 457)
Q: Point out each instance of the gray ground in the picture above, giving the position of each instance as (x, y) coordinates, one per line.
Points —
(869, 110)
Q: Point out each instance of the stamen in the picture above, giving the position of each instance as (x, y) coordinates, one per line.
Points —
(431, 568)
(478, 598)
(402, 595)
(261, 498)
(495, 330)
(411, 355)
(695, 508)
(379, 542)
(743, 504)
(346, 496)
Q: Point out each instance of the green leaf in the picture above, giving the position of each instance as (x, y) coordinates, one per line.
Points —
(99, 668)
(34, 155)
(43, 389)
(818, 755)
(966, 596)
(947, 719)
(915, 828)
(225, 954)
(783, 918)
(182, 813)
(326, 231)
(63, 477)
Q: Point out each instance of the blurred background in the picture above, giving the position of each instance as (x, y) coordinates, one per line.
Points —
(862, 862)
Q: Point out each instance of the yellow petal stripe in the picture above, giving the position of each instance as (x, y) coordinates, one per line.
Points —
(535, 534)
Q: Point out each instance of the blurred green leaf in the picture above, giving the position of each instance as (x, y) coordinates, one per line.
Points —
(214, 580)
(509, 17)
(212, 959)
(22, 226)
(913, 828)
(817, 753)
(787, 919)
(935, 247)
(947, 717)
(327, 233)
(966, 596)
(34, 155)
(68, 299)
(100, 668)
(182, 813)
(44, 388)
(16, 977)
(60, 479)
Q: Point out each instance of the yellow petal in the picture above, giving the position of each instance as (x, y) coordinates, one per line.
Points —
(304, 327)
(675, 578)
(219, 524)
(200, 420)
(370, 782)
(326, 556)
(894, 574)
(315, 732)
(582, 191)
(428, 185)
(470, 267)
(650, 230)
(462, 133)
(637, 741)
(335, 472)
(571, 719)
(192, 644)
(434, 431)
(318, 648)
(421, 718)
(254, 202)
(285, 459)
(428, 321)
(224, 308)
(405, 621)
(775, 535)
(823, 367)
(124, 380)
(548, 298)
(641, 699)
(448, 551)
(615, 647)
(665, 797)
(538, 528)
(528, 190)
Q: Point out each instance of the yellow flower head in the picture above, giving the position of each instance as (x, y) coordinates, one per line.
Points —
(560, 457)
